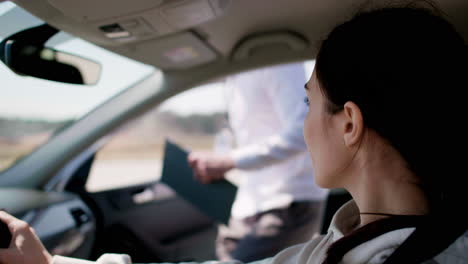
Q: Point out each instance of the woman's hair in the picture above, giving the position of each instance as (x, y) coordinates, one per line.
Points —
(407, 70)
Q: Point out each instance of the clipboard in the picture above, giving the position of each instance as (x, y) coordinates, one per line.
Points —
(214, 199)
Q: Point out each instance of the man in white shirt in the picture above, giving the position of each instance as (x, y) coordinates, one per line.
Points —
(278, 203)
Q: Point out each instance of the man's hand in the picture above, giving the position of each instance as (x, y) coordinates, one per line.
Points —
(208, 167)
(25, 246)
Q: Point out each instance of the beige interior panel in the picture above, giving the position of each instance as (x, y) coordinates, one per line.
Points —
(92, 10)
(179, 51)
(239, 19)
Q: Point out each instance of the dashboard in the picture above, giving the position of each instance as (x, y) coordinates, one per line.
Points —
(63, 222)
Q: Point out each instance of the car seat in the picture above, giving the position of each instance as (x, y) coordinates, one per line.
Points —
(335, 199)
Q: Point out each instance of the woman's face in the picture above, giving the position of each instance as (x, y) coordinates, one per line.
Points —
(324, 139)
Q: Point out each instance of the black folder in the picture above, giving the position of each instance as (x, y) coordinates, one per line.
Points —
(214, 200)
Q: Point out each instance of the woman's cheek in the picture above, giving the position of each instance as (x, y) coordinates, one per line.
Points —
(308, 135)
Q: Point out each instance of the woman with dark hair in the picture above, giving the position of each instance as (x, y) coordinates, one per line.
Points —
(385, 123)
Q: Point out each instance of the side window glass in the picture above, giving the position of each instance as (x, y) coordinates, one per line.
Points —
(195, 119)
(134, 154)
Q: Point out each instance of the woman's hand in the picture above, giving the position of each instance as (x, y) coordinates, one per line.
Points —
(25, 246)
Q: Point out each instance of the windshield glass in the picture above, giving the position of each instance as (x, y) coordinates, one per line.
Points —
(32, 110)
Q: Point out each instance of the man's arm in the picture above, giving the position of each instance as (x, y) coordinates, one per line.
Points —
(284, 85)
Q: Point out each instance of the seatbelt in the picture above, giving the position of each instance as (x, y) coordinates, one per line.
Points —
(427, 241)
(368, 232)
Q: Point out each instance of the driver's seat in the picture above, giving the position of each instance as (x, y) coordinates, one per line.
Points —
(335, 199)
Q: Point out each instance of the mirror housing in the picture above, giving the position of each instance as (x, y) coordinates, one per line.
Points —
(25, 54)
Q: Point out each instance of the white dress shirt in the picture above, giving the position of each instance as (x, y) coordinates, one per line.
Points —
(266, 113)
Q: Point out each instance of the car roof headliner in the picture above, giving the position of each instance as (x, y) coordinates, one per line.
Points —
(310, 19)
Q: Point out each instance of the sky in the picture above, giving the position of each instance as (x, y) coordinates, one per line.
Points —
(31, 98)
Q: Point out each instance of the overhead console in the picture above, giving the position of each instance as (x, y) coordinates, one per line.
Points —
(131, 21)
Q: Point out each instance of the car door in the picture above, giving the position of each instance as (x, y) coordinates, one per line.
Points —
(74, 216)
(147, 221)
(135, 213)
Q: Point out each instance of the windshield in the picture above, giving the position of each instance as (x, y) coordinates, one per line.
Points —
(32, 110)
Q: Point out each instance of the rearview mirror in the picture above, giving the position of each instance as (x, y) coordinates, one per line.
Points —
(46, 63)
(25, 54)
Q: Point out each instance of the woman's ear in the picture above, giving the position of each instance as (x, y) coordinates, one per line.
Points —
(353, 124)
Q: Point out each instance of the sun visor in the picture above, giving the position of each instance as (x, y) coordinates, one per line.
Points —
(127, 21)
(175, 52)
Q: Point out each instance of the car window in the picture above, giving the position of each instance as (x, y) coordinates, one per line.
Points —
(134, 153)
(32, 110)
